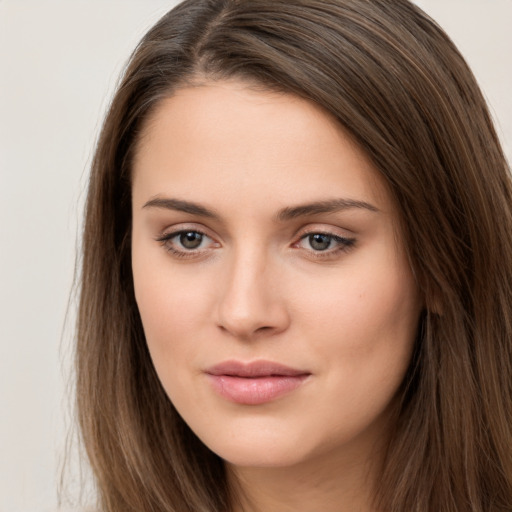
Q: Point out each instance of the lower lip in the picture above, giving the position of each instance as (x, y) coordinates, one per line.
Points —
(255, 390)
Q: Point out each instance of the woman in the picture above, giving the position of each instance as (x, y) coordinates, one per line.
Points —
(297, 268)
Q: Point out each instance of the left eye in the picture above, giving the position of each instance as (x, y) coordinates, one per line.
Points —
(320, 242)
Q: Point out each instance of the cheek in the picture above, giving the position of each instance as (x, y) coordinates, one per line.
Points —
(363, 307)
(364, 326)
(172, 307)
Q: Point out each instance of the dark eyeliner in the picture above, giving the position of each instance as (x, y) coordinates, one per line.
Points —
(165, 238)
(343, 244)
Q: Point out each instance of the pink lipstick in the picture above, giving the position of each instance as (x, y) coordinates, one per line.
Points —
(254, 383)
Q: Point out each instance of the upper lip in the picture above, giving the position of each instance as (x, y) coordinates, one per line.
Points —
(254, 369)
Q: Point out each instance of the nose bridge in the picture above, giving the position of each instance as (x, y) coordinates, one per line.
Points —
(250, 302)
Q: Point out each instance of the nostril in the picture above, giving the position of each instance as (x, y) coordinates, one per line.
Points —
(264, 328)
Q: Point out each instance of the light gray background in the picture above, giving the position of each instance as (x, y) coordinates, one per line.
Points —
(59, 62)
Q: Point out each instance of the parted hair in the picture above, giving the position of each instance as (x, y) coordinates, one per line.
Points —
(397, 84)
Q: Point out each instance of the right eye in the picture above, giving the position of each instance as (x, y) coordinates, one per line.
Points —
(189, 239)
(186, 242)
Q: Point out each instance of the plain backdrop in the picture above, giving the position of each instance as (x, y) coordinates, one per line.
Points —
(59, 62)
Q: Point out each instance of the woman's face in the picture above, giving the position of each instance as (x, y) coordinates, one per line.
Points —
(277, 302)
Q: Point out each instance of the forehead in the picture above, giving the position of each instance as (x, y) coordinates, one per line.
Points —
(225, 140)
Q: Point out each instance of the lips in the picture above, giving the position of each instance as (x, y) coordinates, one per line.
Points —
(254, 383)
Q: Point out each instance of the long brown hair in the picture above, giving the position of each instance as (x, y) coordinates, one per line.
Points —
(397, 84)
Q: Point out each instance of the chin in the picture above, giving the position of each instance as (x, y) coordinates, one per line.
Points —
(259, 457)
(257, 447)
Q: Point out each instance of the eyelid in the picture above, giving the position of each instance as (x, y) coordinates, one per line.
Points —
(343, 243)
(169, 233)
(175, 229)
(325, 229)
(340, 239)
(173, 234)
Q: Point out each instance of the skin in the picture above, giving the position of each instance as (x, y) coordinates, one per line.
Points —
(258, 288)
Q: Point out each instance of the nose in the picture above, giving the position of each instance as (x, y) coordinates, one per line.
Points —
(251, 301)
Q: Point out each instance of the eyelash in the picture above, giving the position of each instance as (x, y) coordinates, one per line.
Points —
(165, 240)
(343, 244)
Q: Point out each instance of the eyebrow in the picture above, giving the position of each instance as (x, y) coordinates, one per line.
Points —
(288, 213)
(330, 206)
(180, 206)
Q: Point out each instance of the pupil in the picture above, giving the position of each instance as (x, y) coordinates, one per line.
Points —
(320, 242)
(191, 240)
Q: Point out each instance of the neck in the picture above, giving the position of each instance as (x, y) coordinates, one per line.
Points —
(333, 484)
